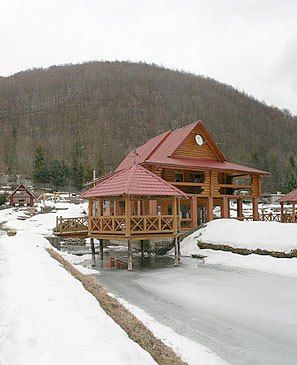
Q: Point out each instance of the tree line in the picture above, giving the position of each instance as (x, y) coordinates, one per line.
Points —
(60, 174)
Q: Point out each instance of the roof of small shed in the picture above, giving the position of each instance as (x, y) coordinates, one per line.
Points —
(22, 187)
(290, 197)
(134, 180)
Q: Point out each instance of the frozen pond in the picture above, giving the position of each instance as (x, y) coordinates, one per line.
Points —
(246, 317)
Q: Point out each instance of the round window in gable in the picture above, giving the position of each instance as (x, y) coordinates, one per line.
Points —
(199, 140)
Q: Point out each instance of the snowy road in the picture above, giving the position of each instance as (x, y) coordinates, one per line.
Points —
(246, 317)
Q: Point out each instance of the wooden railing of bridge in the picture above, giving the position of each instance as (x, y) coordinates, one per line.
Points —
(71, 226)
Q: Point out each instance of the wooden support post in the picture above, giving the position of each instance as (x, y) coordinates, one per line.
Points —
(127, 214)
(90, 216)
(138, 207)
(239, 209)
(93, 251)
(175, 252)
(210, 209)
(293, 213)
(225, 207)
(101, 249)
(142, 249)
(193, 212)
(255, 209)
(130, 265)
(178, 248)
(174, 211)
(178, 214)
(282, 212)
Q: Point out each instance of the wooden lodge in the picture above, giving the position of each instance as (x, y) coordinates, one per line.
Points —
(21, 196)
(189, 159)
(172, 183)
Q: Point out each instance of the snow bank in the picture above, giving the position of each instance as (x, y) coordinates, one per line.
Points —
(271, 236)
(221, 232)
(48, 318)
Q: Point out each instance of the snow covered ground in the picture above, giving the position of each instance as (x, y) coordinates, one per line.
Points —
(271, 236)
(267, 235)
(46, 316)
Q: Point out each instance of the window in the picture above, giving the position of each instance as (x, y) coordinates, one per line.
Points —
(197, 177)
(178, 177)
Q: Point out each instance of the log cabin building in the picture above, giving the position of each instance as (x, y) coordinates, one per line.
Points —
(189, 159)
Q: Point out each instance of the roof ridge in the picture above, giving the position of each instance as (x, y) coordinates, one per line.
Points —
(166, 134)
(130, 178)
(191, 127)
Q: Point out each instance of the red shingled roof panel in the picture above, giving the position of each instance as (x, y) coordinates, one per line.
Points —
(290, 197)
(135, 180)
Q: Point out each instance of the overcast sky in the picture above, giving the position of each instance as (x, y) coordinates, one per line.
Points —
(250, 44)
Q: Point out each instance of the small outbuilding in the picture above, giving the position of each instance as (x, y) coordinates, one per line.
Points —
(22, 196)
(288, 212)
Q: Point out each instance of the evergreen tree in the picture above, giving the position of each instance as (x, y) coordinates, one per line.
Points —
(291, 179)
(59, 173)
(40, 168)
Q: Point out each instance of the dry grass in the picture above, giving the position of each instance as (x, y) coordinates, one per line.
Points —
(135, 329)
(246, 251)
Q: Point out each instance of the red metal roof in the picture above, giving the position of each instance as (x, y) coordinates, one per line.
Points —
(159, 150)
(290, 197)
(134, 180)
(194, 163)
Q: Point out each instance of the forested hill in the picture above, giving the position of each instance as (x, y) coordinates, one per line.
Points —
(98, 111)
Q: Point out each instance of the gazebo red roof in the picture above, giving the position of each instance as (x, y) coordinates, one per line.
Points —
(134, 180)
(290, 197)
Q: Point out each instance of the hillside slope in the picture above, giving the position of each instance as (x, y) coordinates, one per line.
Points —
(107, 108)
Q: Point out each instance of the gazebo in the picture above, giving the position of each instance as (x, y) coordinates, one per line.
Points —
(289, 199)
(127, 205)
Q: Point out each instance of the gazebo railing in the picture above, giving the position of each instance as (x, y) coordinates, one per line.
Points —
(137, 224)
